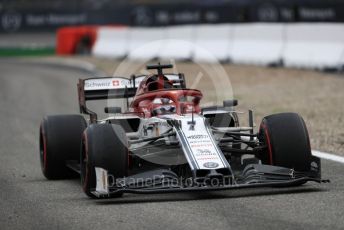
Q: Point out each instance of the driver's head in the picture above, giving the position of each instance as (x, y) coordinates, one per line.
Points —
(165, 101)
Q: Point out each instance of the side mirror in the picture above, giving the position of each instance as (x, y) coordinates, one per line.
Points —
(230, 103)
(112, 110)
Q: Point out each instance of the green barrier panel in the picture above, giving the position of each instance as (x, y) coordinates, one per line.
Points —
(10, 52)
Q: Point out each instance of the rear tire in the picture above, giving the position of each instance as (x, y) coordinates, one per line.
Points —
(104, 146)
(287, 141)
(59, 141)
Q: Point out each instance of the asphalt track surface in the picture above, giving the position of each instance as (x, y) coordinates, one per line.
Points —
(29, 201)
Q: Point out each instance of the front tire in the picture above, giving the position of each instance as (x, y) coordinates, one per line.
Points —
(104, 146)
(287, 141)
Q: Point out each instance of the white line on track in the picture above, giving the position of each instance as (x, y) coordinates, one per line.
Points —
(328, 156)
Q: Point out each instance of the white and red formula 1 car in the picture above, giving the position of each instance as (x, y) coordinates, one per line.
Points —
(166, 142)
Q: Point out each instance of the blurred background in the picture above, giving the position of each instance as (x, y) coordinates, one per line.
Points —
(38, 20)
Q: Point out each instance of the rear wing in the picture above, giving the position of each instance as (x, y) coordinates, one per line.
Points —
(102, 89)
(114, 88)
(106, 88)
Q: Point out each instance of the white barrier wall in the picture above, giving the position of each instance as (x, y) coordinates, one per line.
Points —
(257, 43)
(311, 45)
(215, 39)
(145, 43)
(111, 42)
(304, 45)
(180, 44)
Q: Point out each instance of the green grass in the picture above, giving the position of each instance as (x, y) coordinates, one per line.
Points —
(26, 51)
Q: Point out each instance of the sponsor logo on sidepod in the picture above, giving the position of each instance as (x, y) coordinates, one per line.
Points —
(210, 165)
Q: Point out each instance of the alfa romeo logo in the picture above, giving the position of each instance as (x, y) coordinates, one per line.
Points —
(211, 165)
(11, 21)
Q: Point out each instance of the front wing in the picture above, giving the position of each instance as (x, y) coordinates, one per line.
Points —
(166, 181)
